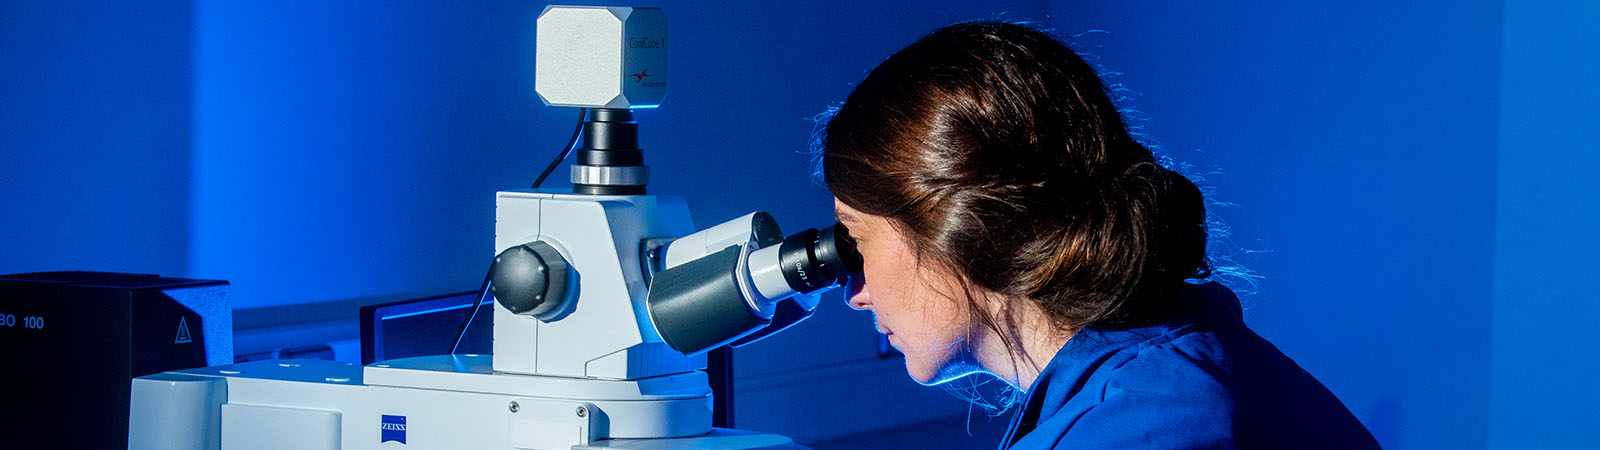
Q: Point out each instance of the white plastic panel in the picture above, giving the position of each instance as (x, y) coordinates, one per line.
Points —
(174, 411)
(542, 424)
(252, 427)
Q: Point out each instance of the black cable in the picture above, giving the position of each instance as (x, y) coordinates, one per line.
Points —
(462, 330)
(571, 143)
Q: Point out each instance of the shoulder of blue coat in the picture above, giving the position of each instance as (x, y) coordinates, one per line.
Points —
(1166, 395)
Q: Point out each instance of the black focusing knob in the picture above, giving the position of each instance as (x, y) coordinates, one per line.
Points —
(530, 279)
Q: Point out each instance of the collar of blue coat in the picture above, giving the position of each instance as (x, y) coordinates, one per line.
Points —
(1209, 305)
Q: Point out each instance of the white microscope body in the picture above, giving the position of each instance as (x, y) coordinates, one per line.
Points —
(606, 300)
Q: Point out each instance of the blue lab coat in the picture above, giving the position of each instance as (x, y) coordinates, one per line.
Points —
(1198, 379)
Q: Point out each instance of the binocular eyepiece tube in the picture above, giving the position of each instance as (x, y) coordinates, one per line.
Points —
(744, 292)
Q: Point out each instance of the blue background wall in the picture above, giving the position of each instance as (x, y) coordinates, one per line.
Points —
(1544, 393)
(94, 136)
(1358, 151)
(1408, 176)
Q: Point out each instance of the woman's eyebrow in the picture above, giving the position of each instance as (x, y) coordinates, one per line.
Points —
(843, 216)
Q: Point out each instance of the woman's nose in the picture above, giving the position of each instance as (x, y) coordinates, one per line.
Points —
(855, 294)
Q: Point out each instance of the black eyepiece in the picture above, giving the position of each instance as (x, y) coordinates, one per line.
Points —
(812, 260)
(837, 251)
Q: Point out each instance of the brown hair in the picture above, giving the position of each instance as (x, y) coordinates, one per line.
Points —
(997, 151)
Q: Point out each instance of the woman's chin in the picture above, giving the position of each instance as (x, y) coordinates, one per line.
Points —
(922, 375)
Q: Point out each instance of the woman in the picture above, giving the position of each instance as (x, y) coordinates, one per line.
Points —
(1011, 225)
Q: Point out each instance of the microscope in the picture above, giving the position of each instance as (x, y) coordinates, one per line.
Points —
(606, 300)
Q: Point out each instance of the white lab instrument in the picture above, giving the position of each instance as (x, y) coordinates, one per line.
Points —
(606, 300)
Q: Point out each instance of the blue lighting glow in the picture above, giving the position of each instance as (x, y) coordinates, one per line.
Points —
(1420, 172)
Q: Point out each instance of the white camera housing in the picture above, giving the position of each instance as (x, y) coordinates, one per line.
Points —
(601, 57)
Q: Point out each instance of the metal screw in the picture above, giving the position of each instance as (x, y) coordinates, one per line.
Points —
(582, 411)
(515, 407)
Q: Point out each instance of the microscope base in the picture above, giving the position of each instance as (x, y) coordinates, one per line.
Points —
(435, 402)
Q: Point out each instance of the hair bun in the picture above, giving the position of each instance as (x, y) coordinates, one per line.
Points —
(998, 151)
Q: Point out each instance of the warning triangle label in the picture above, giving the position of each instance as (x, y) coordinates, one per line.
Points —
(183, 331)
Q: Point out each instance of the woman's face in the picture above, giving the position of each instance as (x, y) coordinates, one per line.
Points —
(919, 308)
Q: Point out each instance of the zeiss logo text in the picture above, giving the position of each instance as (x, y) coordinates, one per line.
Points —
(393, 428)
